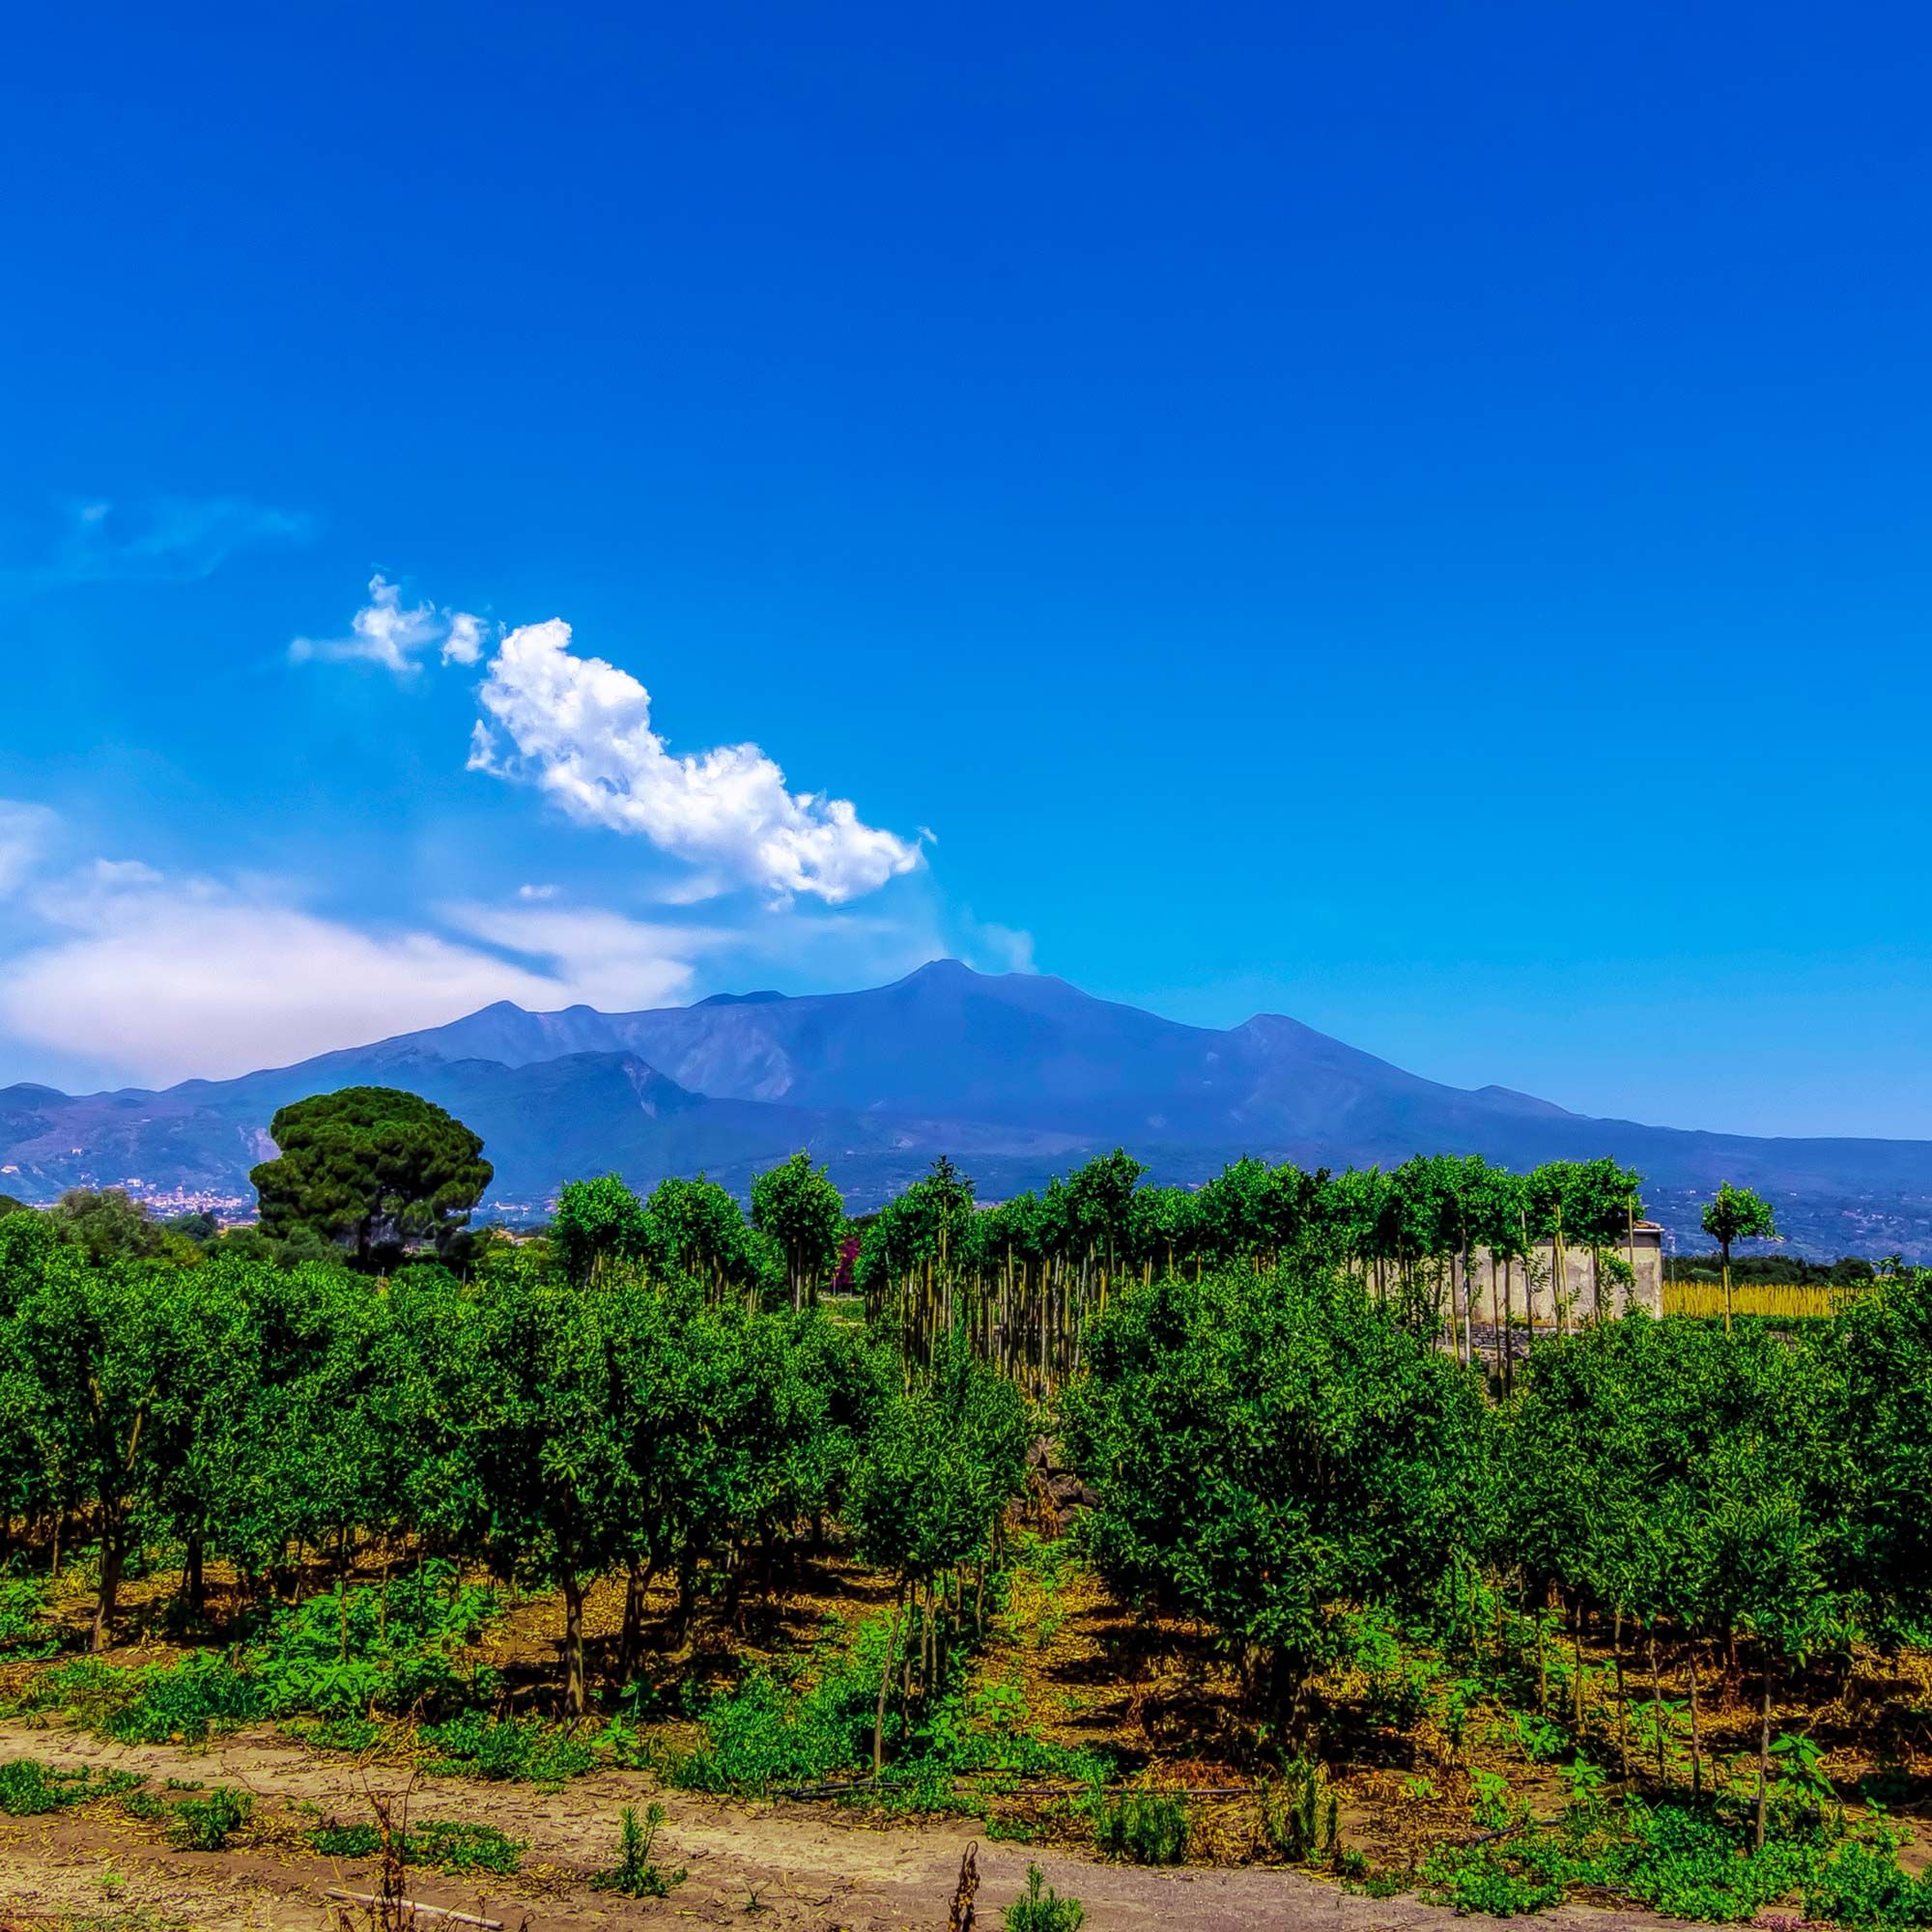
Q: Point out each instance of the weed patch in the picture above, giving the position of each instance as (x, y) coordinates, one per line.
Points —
(442, 1844)
(29, 1788)
(524, 1749)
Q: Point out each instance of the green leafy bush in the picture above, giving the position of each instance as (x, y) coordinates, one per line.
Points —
(24, 1632)
(1042, 1909)
(1149, 1828)
(1490, 1882)
(1686, 1863)
(816, 1724)
(206, 1824)
(155, 1704)
(353, 1651)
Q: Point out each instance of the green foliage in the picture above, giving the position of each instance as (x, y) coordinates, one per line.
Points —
(373, 1169)
(185, 1702)
(1042, 1909)
(805, 1215)
(353, 1651)
(206, 1824)
(1687, 1863)
(443, 1844)
(106, 1224)
(1489, 1881)
(1271, 1451)
(1300, 1814)
(29, 1788)
(636, 1875)
(1148, 1828)
(939, 1465)
(24, 1631)
(524, 1749)
(598, 1223)
(771, 1731)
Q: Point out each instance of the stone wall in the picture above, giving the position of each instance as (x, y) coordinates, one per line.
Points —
(1577, 1280)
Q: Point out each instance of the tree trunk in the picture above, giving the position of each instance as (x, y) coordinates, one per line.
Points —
(1696, 1760)
(885, 1685)
(1623, 1701)
(573, 1645)
(113, 1560)
(636, 1583)
(1763, 1755)
(194, 1586)
(1656, 1708)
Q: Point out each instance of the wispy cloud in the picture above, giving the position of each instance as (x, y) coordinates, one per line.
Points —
(25, 829)
(161, 540)
(579, 730)
(152, 978)
(396, 636)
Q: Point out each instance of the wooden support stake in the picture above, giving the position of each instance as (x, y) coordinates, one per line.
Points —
(410, 1906)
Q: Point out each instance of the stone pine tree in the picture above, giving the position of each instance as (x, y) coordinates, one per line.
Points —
(373, 1169)
(1737, 1214)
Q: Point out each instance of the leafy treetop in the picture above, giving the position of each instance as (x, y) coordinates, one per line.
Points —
(373, 1169)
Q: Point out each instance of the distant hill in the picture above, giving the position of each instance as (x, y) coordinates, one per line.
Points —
(1018, 1076)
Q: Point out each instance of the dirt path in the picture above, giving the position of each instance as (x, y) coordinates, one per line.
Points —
(751, 1865)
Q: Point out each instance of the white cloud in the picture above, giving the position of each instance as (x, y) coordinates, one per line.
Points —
(464, 644)
(24, 831)
(605, 959)
(581, 730)
(163, 540)
(537, 891)
(388, 633)
(154, 979)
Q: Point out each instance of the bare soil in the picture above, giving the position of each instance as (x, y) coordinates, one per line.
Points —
(776, 1865)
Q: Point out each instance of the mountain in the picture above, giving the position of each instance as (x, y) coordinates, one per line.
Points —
(1018, 1076)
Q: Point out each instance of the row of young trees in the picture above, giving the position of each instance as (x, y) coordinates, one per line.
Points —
(558, 1426)
(1273, 1454)
(1459, 1242)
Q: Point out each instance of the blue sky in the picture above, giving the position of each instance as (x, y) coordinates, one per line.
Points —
(1415, 518)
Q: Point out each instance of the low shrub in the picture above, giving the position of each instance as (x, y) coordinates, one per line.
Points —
(206, 1824)
(359, 1649)
(635, 1874)
(156, 1704)
(1042, 1909)
(1148, 1828)
(25, 1635)
(524, 1749)
(445, 1844)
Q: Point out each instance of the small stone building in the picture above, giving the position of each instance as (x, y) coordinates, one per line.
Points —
(1586, 1288)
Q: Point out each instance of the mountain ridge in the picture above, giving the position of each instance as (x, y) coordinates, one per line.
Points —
(1019, 1076)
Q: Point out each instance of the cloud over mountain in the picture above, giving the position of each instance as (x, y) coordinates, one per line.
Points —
(579, 730)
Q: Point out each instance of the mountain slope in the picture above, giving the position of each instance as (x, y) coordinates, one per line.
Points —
(1018, 1076)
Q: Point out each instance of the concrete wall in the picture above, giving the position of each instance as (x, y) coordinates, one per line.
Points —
(1533, 1298)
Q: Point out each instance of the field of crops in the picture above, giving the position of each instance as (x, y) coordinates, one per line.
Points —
(1224, 1555)
(1800, 1301)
